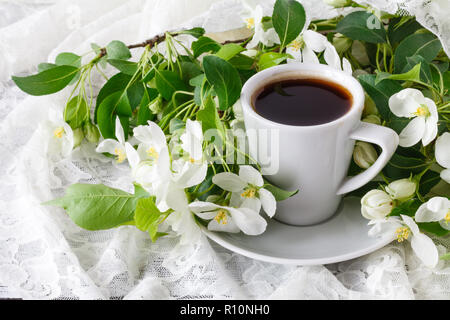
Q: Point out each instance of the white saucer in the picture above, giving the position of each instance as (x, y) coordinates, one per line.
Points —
(340, 238)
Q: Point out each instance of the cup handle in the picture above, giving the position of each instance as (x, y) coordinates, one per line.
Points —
(386, 138)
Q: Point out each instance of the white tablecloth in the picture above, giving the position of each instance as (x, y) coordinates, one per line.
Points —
(43, 255)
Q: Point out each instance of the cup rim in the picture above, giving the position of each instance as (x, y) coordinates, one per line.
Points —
(254, 83)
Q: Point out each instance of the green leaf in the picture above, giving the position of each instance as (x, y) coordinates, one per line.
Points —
(135, 93)
(189, 70)
(411, 75)
(242, 62)
(118, 50)
(46, 82)
(362, 25)
(402, 166)
(401, 27)
(98, 207)
(422, 44)
(167, 82)
(45, 66)
(279, 193)
(126, 67)
(116, 104)
(68, 59)
(425, 71)
(288, 19)
(195, 32)
(204, 44)
(271, 59)
(408, 208)
(225, 80)
(76, 112)
(144, 113)
(147, 217)
(445, 256)
(116, 83)
(229, 50)
(209, 117)
(428, 181)
(434, 228)
(380, 93)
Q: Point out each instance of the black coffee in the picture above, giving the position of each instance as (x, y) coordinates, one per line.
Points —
(303, 102)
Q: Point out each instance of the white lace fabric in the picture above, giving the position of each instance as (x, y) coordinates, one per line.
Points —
(44, 255)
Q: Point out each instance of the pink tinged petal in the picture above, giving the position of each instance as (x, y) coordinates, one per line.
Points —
(229, 181)
(251, 203)
(332, 57)
(249, 221)
(268, 202)
(413, 132)
(202, 206)
(431, 130)
(425, 249)
(251, 175)
(132, 155)
(346, 66)
(445, 175)
(309, 56)
(405, 103)
(442, 152)
(120, 135)
(230, 226)
(315, 41)
(108, 146)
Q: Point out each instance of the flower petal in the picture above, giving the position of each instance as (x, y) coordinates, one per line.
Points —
(347, 66)
(251, 175)
(132, 155)
(444, 224)
(202, 206)
(405, 103)
(413, 132)
(249, 221)
(251, 203)
(425, 249)
(445, 175)
(431, 130)
(208, 215)
(108, 146)
(309, 56)
(425, 215)
(411, 224)
(443, 150)
(439, 204)
(268, 202)
(295, 53)
(314, 40)
(332, 57)
(229, 227)
(229, 181)
(120, 135)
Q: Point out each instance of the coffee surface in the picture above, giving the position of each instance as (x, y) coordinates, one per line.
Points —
(303, 102)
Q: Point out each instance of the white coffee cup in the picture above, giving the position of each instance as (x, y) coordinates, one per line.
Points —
(314, 159)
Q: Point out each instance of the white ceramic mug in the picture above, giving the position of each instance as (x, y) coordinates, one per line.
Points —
(314, 159)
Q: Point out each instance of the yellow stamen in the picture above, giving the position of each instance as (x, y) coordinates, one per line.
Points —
(447, 217)
(249, 193)
(402, 233)
(59, 132)
(153, 153)
(250, 23)
(221, 217)
(296, 45)
(121, 156)
(191, 160)
(422, 111)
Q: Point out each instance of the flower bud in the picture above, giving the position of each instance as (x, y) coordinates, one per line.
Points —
(156, 105)
(376, 204)
(91, 132)
(338, 3)
(364, 154)
(402, 189)
(341, 43)
(372, 118)
(78, 137)
(369, 106)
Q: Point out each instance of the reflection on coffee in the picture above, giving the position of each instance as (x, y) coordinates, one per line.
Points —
(303, 102)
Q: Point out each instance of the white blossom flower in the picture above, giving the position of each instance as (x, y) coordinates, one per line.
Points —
(115, 147)
(435, 209)
(376, 204)
(402, 189)
(60, 135)
(247, 189)
(252, 18)
(307, 44)
(407, 229)
(229, 219)
(443, 155)
(364, 154)
(411, 103)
